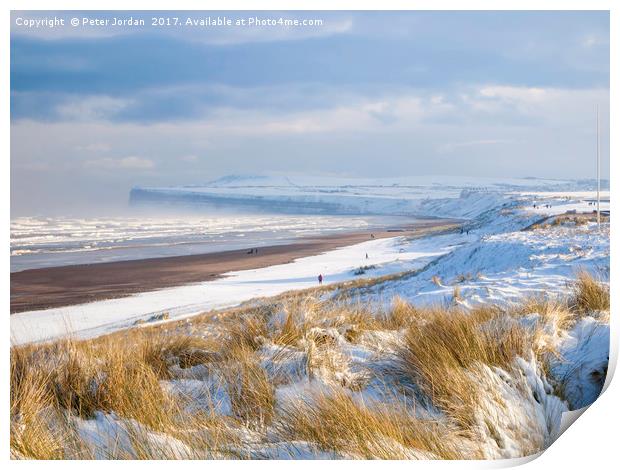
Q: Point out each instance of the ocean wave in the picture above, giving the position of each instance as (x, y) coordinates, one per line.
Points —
(51, 241)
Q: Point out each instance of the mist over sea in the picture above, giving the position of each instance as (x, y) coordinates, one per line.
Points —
(38, 242)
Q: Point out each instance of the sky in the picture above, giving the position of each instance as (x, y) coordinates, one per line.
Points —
(96, 110)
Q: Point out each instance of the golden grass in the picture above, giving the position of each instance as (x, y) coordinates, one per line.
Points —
(335, 422)
(297, 311)
(401, 315)
(51, 383)
(251, 393)
(589, 294)
(31, 436)
(456, 294)
(438, 353)
(246, 331)
(302, 314)
(158, 351)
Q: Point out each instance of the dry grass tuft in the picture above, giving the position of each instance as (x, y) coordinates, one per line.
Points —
(251, 393)
(31, 436)
(456, 294)
(553, 311)
(160, 351)
(50, 384)
(297, 313)
(438, 353)
(335, 422)
(589, 294)
(132, 390)
(247, 331)
(401, 315)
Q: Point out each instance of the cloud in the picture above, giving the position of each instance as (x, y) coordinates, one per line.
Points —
(127, 163)
(399, 110)
(91, 108)
(593, 40)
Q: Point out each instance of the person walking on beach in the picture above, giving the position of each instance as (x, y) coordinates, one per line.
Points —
(320, 279)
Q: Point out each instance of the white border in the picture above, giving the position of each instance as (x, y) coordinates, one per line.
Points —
(591, 443)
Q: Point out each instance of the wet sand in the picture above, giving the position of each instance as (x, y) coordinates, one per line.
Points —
(36, 289)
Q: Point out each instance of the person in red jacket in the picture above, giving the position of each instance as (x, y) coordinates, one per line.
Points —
(320, 279)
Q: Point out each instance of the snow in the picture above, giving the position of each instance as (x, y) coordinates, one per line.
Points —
(561, 202)
(108, 436)
(583, 362)
(501, 261)
(208, 393)
(516, 410)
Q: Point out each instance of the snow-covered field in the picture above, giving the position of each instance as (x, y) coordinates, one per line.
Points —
(493, 259)
(501, 260)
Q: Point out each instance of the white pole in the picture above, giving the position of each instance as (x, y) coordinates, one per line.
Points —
(598, 174)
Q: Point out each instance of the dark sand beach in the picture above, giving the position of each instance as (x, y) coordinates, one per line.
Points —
(37, 289)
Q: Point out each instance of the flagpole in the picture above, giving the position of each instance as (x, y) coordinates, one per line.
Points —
(598, 174)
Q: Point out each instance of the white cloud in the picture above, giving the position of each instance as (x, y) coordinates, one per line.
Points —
(127, 163)
(91, 108)
(515, 93)
(592, 40)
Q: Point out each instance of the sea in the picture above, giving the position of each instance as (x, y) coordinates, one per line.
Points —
(38, 242)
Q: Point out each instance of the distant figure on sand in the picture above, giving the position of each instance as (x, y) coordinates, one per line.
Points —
(320, 279)
(372, 235)
(366, 255)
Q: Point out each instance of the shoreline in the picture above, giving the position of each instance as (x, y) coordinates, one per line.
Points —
(43, 288)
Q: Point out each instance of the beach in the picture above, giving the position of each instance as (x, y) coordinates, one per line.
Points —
(37, 289)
